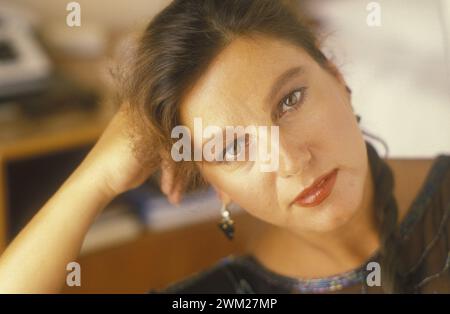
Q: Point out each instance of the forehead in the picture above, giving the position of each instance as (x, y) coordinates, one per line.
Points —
(233, 89)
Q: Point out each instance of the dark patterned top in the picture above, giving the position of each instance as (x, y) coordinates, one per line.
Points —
(424, 243)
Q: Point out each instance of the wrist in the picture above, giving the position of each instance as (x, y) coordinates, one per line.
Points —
(92, 182)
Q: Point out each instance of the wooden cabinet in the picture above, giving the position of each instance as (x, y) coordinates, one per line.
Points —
(22, 142)
(153, 260)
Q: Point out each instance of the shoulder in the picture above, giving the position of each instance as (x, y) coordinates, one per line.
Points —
(218, 278)
(425, 231)
(412, 176)
(431, 204)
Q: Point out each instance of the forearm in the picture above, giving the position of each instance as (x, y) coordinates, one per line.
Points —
(36, 260)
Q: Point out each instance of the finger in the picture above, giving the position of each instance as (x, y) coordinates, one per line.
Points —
(176, 194)
(173, 199)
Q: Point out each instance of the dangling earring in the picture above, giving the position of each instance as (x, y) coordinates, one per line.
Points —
(226, 224)
(358, 117)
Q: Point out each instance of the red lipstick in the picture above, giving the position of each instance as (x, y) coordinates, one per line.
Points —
(317, 192)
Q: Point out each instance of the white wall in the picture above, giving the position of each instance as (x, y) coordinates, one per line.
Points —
(111, 14)
(399, 72)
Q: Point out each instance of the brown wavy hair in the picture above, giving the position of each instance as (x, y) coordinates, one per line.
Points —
(175, 49)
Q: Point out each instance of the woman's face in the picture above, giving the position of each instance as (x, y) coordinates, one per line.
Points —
(318, 132)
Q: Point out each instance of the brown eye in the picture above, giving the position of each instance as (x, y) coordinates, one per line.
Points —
(238, 150)
(291, 101)
(233, 150)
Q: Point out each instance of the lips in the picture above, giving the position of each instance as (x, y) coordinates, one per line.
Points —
(318, 191)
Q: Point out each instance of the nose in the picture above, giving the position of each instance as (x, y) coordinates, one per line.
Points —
(294, 158)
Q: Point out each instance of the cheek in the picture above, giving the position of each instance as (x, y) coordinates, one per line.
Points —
(253, 191)
(331, 125)
(330, 114)
(324, 118)
(342, 134)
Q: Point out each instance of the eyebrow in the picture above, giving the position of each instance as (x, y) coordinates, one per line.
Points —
(281, 80)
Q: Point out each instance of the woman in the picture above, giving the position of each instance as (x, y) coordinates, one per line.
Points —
(240, 63)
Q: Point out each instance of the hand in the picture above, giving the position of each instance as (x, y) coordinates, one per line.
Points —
(113, 161)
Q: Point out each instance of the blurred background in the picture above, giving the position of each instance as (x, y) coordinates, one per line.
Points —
(54, 87)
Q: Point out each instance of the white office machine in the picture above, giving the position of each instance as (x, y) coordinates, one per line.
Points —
(24, 66)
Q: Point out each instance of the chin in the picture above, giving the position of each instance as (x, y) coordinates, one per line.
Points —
(336, 218)
(341, 209)
(337, 211)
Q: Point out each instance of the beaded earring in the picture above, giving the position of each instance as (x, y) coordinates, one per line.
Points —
(226, 224)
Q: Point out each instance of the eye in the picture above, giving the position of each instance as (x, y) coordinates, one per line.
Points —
(238, 150)
(291, 101)
(233, 150)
